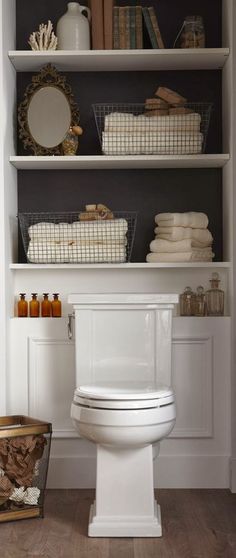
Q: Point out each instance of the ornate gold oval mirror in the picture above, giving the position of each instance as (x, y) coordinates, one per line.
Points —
(47, 112)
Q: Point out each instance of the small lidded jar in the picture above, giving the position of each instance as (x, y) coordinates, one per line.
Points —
(56, 306)
(200, 304)
(34, 306)
(192, 33)
(22, 306)
(215, 297)
(187, 302)
(45, 306)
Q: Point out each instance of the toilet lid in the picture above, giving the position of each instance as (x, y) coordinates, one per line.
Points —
(118, 396)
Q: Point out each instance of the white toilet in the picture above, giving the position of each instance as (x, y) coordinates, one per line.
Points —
(124, 403)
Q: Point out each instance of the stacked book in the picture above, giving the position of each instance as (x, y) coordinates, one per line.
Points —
(123, 27)
(131, 23)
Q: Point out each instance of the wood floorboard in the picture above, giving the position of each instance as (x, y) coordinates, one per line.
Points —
(196, 524)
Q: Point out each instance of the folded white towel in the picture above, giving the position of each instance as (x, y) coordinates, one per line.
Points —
(192, 256)
(151, 143)
(193, 219)
(127, 122)
(180, 233)
(159, 245)
(108, 231)
(65, 253)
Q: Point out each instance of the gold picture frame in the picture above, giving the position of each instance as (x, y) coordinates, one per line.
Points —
(42, 84)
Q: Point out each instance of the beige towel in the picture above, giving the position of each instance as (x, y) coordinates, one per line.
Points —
(159, 245)
(180, 233)
(65, 253)
(151, 143)
(105, 231)
(172, 257)
(127, 122)
(193, 219)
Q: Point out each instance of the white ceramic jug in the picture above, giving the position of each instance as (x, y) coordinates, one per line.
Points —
(73, 30)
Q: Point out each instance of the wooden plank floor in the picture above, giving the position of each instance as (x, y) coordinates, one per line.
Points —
(196, 524)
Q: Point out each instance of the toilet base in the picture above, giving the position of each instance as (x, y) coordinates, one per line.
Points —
(130, 526)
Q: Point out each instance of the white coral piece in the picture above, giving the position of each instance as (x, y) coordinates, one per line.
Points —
(17, 494)
(31, 496)
(44, 38)
(2, 473)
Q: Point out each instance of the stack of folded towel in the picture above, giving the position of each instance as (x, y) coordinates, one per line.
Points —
(177, 134)
(79, 242)
(181, 237)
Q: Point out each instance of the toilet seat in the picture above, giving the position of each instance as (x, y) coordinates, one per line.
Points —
(116, 396)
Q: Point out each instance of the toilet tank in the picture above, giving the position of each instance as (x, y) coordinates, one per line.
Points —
(123, 337)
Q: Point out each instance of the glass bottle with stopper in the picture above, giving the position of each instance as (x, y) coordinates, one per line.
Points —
(187, 302)
(34, 306)
(22, 306)
(215, 297)
(56, 306)
(45, 306)
(200, 303)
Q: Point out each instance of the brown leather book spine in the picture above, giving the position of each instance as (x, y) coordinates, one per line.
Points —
(139, 27)
(108, 24)
(97, 26)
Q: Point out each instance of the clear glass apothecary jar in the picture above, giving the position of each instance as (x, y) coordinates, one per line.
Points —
(191, 34)
(187, 302)
(215, 297)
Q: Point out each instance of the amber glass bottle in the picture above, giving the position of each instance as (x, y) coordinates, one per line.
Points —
(34, 306)
(22, 306)
(56, 306)
(46, 307)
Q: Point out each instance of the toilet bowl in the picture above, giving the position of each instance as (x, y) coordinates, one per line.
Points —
(128, 416)
(120, 339)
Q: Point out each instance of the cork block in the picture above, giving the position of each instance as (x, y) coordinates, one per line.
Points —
(171, 97)
(152, 104)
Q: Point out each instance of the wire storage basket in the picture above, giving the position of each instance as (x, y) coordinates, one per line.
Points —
(131, 129)
(24, 457)
(64, 238)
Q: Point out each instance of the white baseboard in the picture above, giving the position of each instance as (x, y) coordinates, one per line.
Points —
(169, 472)
(233, 475)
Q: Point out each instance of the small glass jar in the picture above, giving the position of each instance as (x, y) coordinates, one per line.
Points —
(187, 302)
(70, 143)
(200, 303)
(56, 306)
(192, 33)
(34, 306)
(22, 306)
(46, 306)
(215, 297)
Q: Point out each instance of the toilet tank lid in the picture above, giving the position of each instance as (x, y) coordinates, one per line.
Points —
(123, 298)
(127, 391)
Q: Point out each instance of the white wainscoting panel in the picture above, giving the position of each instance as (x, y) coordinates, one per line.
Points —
(51, 381)
(192, 375)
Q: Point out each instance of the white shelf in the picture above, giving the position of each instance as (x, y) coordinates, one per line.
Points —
(119, 162)
(121, 60)
(128, 266)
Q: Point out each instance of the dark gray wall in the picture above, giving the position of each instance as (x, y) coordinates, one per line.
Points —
(148, 192)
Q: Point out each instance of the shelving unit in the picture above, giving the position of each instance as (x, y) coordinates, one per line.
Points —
(131, 276)
(126, 60)
(119, 162)
(127, 266)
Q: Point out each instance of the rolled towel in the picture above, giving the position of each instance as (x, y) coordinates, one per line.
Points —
(180, 233)
(66, 253)
(193, 219)
(104, 231)
(127, 122)
(172, 257)
(159, 245)
(151, 143)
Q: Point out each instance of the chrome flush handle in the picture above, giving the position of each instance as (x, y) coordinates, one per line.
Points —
(69, 325)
